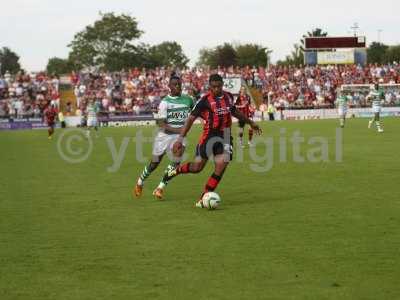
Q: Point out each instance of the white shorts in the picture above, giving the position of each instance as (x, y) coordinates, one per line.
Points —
(342, 111)
(163, 142)
(376, 109)
(92, 122)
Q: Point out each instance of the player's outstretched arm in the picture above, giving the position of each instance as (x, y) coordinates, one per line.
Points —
(167, 128)
(186, 128)
(177, 148)
(241, 117)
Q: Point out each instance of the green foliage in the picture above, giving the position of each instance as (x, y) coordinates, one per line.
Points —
(109, 44)
(376, 52)
(207, 57)
(141, 56)
(167, 54)
(9, 61)
(227, 55)
(296, 58)
(392, 54)
(59, 66)
(118, 61)
(379, 53)
(105, 43)
(252, 55)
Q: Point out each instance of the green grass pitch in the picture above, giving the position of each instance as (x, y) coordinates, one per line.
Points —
(323, 230)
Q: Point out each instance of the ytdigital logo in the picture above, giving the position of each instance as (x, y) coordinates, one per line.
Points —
(75, 146)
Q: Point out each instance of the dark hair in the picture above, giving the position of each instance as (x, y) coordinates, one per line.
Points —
(176, 77)
(216, 77)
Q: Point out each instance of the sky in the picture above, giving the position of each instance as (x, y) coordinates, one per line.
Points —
(40, 29)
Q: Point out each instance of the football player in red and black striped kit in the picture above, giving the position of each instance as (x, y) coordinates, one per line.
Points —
(50, 115)
(243, 104)
(216, 108)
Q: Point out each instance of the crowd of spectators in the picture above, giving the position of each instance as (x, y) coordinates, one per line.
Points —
(316, 87)
(139, 91)
(27, 95)
(136, 91)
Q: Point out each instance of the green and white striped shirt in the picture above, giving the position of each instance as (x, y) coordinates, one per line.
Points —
(341, 102)
(92, 111)
(175, 110)
(377, 97)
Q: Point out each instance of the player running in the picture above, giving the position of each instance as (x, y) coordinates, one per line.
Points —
(50, 115)
(91, 111)
(216, 108)
(376, 95)
(341, 103)
(243, 104)
(172, 114)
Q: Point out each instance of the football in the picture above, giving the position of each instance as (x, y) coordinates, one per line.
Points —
(211, 200)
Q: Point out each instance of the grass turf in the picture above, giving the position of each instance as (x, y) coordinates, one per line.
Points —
(300, 231)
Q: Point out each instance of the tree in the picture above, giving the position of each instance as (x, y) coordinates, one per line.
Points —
(252, 55)
(141, 57)
(106, 42)
(167, 54)
(296, 58)
(9, 61)
(59, 66)
(222, 55)
(392, 54)
(376, 52)
(226, 55)
(207, 57)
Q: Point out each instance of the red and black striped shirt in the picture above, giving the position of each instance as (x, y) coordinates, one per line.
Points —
(51, 114)
(242, 104)
(216, 112)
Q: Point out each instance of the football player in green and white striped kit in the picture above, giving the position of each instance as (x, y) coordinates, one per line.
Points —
(172, 114)
(376, 95)
(341, 103)
(91, 111)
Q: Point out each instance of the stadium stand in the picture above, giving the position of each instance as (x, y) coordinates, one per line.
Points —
(139, 91)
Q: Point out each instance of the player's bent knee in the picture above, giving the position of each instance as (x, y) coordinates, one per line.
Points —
(197, 167)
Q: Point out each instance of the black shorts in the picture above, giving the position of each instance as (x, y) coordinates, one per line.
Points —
(242, 124)
(213, 146)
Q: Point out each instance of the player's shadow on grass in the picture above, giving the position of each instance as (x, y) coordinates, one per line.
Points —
(260, 199)
(181, 202)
